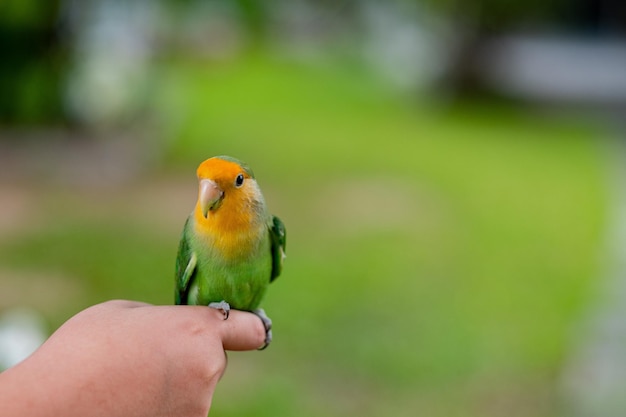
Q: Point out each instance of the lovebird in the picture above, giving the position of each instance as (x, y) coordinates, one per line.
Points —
(231, 247)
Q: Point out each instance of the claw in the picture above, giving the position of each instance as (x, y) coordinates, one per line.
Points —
(267, 323)
(223, 306)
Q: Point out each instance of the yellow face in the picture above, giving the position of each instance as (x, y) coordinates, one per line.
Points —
(228, 193)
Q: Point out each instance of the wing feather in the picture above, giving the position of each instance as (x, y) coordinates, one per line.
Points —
(278, 237)
(185, 267)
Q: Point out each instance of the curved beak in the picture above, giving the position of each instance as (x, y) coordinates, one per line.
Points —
(210, 196)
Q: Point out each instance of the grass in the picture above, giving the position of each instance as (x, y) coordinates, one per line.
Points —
(437, 257)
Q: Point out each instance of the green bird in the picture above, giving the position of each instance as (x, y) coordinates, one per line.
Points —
(231, 247)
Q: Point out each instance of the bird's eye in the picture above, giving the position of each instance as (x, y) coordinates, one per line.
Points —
(239, 180)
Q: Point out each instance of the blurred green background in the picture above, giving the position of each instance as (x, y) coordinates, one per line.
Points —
(445, 240)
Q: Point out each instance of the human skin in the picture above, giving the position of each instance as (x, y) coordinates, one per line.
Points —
(124, 358)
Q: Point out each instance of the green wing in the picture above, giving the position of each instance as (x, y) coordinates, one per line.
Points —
(278, 236)
(185, 267)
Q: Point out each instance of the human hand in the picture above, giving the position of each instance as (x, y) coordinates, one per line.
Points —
(124, 358)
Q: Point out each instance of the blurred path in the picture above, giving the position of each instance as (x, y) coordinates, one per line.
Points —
(595, 376)
(71, 157)
(37, 162)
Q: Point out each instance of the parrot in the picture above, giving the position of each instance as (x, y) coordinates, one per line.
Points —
(231, 247)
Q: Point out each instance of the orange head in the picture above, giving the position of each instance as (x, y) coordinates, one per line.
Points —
(228, 192)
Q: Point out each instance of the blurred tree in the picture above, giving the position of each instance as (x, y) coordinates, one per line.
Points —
(498, 15)
(32, 62)
(255, 21)
(478, 21)
(253, 16)
(475, 22)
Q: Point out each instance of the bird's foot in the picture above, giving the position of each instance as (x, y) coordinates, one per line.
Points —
(223, 306)
(267, 323)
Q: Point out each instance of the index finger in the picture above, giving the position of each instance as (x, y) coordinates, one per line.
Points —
(242, 331)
